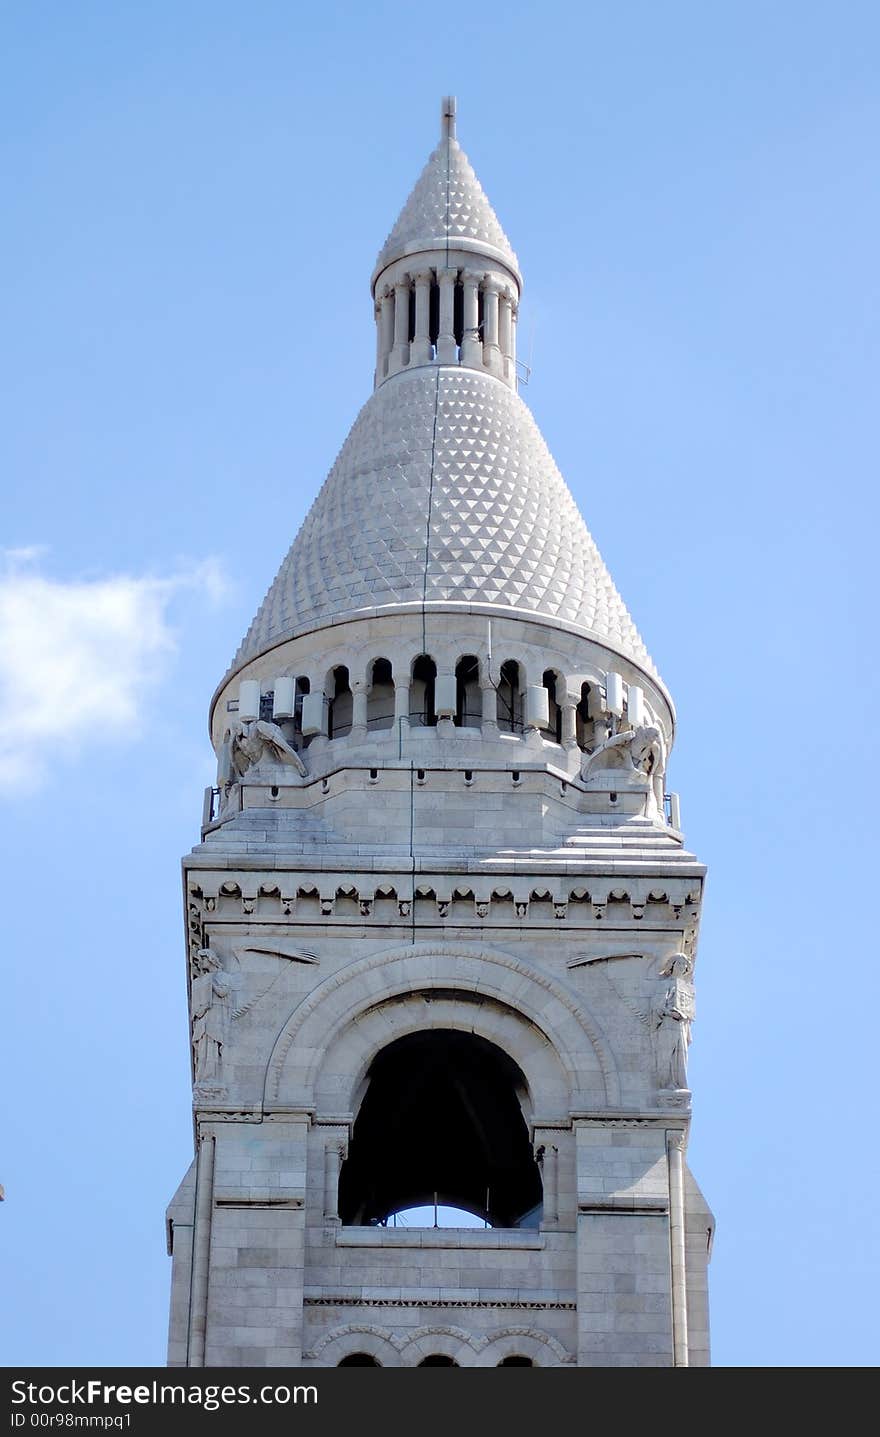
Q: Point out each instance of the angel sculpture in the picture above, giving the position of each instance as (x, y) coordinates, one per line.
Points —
(217, 1001)
(668, 1017)
(673, 1013)
(641, 750)
(211, 989)
(246, 744)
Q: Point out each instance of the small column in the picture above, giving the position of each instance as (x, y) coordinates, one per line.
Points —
(471, 345)
(401, 706)
(505, 336)
(446, 345)
(491, 347)
(386, 331)
(421, 345)
(400, 352)
(489, 724)
(569, 723)
(334, 1154)
(358, 709)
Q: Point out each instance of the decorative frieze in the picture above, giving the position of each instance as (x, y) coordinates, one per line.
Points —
(361, 896)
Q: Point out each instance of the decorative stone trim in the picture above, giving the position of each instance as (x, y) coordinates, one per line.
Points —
(513, 1304)
(397, 1345)
(488, 960)
(217, 897)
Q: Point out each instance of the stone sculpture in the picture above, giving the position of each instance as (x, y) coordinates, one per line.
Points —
(640, 750)
(247, 744)
(211, 989)
(672, 1015)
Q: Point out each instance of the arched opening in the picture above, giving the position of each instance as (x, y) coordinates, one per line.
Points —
(554, 725)
(339, 709)
(442, 1122)
(468, 700)
(359, 1359)
(380, 696)
(515, 1361)
(509, 698)
(583, 722)
(434, 312)
(458, 312)
(300, 689)
(422, 708)
(438, 1359)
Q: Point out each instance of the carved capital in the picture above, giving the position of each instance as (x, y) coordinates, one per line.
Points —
(472, 276)
(676, 1139)
(424, 276)
(447, 276)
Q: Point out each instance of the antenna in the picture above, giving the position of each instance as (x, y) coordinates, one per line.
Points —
(447, 117)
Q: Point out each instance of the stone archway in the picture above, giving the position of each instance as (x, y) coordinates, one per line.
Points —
(577, 1040)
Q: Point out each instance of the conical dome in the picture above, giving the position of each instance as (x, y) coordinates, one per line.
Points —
(444, 493)
(447, 205)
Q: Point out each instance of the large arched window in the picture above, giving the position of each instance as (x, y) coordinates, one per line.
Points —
(442, 1122)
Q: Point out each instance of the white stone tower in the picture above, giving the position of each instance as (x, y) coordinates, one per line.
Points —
(441, 922)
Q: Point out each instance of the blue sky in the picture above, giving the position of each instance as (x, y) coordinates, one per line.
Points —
(194, 197)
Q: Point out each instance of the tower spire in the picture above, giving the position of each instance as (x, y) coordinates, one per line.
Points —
(447, 117)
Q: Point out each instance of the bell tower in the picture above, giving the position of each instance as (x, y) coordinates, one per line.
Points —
(441, 922)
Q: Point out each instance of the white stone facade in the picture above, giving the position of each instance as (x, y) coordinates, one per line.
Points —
(440, 847)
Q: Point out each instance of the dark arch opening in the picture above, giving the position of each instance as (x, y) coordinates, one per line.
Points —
(339, 710)
(422, 707)
(515, 1361)
(438, 1359)
(458, 312)
(509, 698)
(380, 695)
(468, 698)
(434, 312)
(554, 722)
(441, 1121)
(359, 1359)
(583, 722)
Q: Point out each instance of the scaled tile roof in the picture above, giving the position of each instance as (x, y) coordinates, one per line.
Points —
(475, 512)
(447, 204)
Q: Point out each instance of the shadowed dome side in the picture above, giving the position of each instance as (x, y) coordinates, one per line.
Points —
(447, 205)
(474, 512)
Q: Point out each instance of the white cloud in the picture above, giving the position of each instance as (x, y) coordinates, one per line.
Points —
(78, 658)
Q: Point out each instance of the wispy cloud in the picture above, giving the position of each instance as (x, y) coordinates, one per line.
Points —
(79, 658)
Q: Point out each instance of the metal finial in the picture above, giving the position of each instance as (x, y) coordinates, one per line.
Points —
(447, 118)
